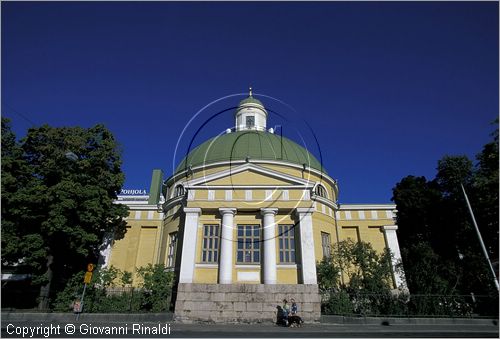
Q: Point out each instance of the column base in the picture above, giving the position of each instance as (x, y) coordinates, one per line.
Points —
(243, 303)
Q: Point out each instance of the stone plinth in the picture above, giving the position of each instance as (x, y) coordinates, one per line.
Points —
(243, 303)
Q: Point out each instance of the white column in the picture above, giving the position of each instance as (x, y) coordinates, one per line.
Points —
(226, 246)
(269, 244)
(307, 245)
(189, 244)
(391, 240)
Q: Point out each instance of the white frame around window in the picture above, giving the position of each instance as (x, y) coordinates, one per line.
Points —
(326, 244)
(248, 249)
(172, 245)
(210, 244)
(286, 243)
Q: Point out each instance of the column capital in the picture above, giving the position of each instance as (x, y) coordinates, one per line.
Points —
(227, 210)
(304, 210)
(265, 211)
(390, 228)
(192, 210)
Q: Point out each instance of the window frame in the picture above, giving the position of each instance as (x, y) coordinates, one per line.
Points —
(252, 117)
(172, 248)
(326, 247)
(286, 235)
(210, 245)
(254, 241)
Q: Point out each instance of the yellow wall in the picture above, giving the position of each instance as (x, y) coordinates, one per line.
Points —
(147, 239)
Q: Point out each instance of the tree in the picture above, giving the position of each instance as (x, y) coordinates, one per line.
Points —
(157, 283)
(367, 282)
(62, 207)
(439, 245)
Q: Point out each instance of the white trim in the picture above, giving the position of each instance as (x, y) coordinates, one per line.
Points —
(257, 187)
(391, 240)
(248, 195)
(186, 273)
(150, 215)
(138, 215)
(374, 215)
(229, 195)
(307, 246)
(367, 207)
(211, 195)
(226, 246)
(269, 195)
(246, 167)
(330, 180)
(286, 266)
(325, 201)
(361, 215)
(248, 276)
(249, 266)
(139, 207)
(306, 194)
(202, 265)
(269, 245)
(348, 215)
(285, 195)
(172, 202)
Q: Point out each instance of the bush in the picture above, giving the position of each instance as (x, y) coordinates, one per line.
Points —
(103, 295)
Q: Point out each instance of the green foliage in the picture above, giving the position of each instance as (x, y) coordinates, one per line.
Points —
(126, 279)
(157, 283)
(439, 246)
(364, 268)
(365, 272)
(103, 295)
(57, 207)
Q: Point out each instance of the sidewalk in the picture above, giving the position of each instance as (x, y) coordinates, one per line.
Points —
(149, 325)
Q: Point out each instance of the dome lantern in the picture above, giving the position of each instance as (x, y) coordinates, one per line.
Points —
(250, 114)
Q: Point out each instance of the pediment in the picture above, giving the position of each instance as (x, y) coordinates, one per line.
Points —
(249, 175)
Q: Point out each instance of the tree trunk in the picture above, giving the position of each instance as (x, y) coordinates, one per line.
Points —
(45, 289)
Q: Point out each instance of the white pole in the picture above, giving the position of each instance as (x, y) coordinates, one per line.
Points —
(480, 238)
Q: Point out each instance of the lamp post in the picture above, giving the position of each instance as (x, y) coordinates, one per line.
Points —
(485, 252)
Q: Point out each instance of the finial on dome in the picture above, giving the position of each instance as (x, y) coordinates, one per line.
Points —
(250, 91)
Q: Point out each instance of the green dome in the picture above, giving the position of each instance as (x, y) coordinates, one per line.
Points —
(252, 144)
(251, 100)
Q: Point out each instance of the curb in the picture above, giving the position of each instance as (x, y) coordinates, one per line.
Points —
(338, 319)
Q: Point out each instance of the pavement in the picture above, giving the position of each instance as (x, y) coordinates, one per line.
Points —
(175, 330)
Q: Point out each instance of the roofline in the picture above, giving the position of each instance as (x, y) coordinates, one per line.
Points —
(174, 177)
(367, 206)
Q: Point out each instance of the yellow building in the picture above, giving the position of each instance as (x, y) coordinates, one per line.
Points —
(243, 221)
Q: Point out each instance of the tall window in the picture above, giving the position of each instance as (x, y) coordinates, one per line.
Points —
(326, 244)
(321, 191)
(250, 121)
(287, 243)
(248, 251)
(172, 245)
(210, 249)
(179, 190)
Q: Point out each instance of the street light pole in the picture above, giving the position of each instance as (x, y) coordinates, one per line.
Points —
(480, 238)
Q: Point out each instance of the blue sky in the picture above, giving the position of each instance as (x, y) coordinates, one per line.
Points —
(388, 88)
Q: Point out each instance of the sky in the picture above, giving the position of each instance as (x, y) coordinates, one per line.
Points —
(385, 88)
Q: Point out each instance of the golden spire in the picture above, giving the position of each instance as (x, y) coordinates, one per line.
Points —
(250, 91)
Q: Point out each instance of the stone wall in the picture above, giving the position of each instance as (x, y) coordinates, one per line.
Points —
(243, 303)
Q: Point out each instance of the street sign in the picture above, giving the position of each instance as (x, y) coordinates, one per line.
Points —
(87, 278)
(90, 267)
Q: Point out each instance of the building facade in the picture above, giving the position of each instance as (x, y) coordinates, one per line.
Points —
(243, 221)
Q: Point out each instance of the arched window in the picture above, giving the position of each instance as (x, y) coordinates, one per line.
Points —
(321, 191)
(179, 190)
